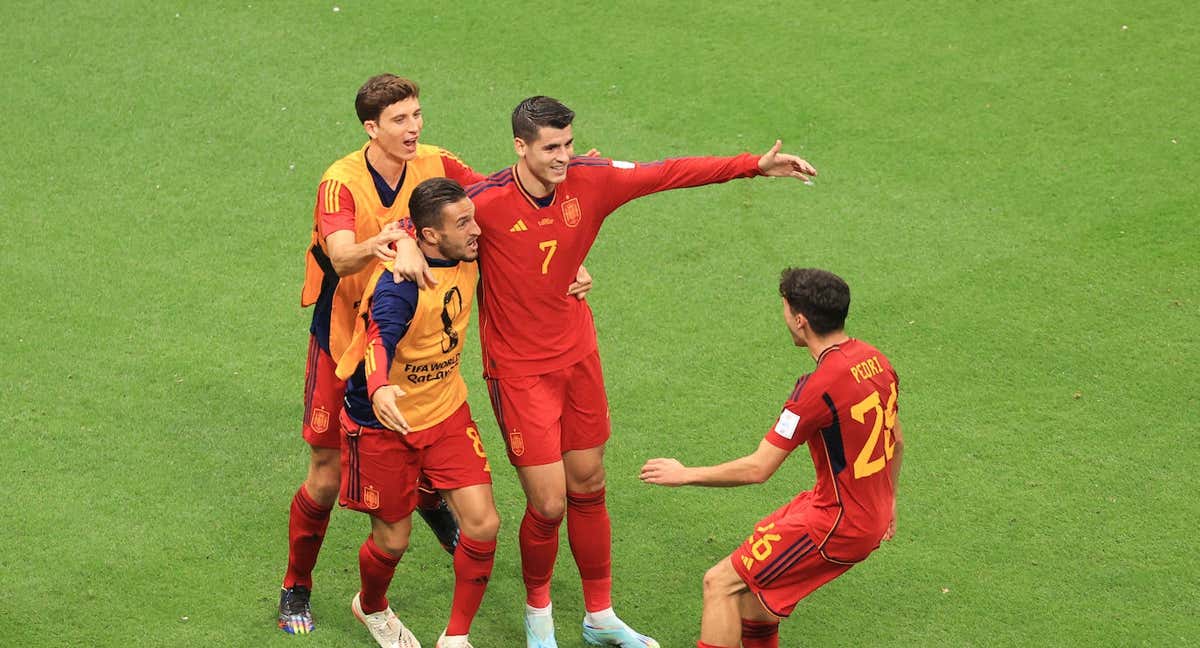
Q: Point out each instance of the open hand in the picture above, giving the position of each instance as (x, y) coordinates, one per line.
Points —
(779, 165)
(664, 472)
(383, 401)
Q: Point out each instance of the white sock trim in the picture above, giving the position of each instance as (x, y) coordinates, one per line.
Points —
(601, 618)
(535, 611)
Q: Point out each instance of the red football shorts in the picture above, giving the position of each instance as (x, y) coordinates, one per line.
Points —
(381, 468)
(541, 417)
(780, 561)
(323, 394)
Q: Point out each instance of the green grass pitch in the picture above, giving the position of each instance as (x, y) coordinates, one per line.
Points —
(1009, 188)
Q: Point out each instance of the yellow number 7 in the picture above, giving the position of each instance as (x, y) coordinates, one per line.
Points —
(549, 247)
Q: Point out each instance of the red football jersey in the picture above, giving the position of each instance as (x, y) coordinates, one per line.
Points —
(529, 254)
(846, 411)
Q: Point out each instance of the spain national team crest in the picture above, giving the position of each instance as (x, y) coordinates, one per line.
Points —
(370, 498)
(571, 212)
(320, 420)
(516, 443)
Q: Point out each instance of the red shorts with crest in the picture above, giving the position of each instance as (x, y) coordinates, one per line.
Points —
(541, 417)
(781, 562)
(381, 467)
(323, 393)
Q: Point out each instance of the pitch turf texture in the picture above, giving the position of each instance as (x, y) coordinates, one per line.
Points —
(1008, 188)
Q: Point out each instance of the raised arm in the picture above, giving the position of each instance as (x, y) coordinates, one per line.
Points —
(753, 468)
(632, 180)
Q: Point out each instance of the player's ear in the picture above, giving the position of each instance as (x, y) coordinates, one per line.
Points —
(519, 146)
(372, 127)
(801, 321)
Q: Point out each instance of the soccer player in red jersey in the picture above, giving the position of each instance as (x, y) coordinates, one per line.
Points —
(360, 213)
(406, 414)
(539, 219)
(845, 410)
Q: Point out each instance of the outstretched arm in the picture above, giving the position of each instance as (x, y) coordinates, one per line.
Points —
(754, 468)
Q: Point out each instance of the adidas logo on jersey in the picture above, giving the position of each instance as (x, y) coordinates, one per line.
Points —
(519, 226)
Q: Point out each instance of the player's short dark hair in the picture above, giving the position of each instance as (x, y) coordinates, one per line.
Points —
(539, 112)
(429, 198)
(819, 295)
(381, 91)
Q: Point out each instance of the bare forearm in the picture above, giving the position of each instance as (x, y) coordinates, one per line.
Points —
(738, 472)
(350, 259)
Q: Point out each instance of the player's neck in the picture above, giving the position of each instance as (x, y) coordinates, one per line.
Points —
(530, 183)
(818, 345)
(389, 168)
(430, 251)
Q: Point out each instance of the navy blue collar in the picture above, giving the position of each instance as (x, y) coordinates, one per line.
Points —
(387, 195)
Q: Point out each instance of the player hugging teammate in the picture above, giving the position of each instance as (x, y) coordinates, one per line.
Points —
(396, 331)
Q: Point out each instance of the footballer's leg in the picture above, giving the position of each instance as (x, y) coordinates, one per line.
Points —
(377, 560)
(529, 411)
(479, 524)
(545, 504)
(720, 622)
(590, 533)
(308, 517)
(453, 458)
(760, 628)
(585, 431)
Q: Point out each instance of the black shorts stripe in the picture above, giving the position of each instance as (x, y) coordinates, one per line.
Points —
(353, 481)
(785, 561)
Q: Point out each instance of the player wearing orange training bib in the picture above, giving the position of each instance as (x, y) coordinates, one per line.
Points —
(406, 415)
(845, 410)
(361, 211)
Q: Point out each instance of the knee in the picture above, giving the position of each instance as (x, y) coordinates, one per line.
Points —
(716, 581)
(323, 484)
(484, 526)
(590, 483)
(586, 479)
(393, 542)
(551, 507)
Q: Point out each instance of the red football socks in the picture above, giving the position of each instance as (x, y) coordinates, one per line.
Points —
(375, 569)
(701, 644)
(539, 549)
(590, 534)
(472, 568)
(306, 531)
(760, 634)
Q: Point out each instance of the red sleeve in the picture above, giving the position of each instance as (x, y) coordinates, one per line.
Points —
(376, 363)
(630, 180)
(458, 170)
(803, 416)
(335, 208)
